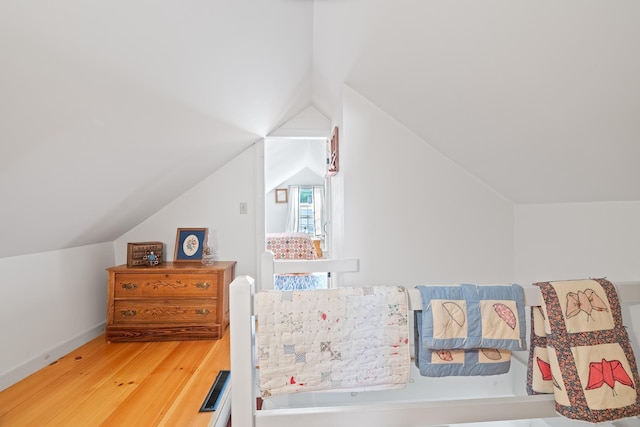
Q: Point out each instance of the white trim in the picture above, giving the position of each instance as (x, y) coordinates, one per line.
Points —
(242, 358)
(430, 413)
(220, 418)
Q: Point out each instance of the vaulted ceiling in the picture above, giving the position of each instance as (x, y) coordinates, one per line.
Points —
(110, 109)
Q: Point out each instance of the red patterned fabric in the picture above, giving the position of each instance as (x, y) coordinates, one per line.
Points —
(291, 246)
(580, 352)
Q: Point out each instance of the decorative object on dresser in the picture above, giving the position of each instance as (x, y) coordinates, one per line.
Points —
(190, 244)
(144, 254)
(172, 301)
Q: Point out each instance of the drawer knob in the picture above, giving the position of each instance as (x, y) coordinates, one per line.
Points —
(202, 311)
(129, 286)
(203, 285)
(128, 313)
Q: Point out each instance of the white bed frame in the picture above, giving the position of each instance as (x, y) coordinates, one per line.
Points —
(378, 414)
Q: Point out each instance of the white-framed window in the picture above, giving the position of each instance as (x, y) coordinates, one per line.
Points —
(306, 212)
(306, 209)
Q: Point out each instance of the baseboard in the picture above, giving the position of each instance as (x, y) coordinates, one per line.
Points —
(20, 372)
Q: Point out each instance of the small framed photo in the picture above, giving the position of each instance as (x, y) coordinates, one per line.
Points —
(281, 195)
(190, 244)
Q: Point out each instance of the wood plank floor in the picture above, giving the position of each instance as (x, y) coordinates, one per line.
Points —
(120, 384)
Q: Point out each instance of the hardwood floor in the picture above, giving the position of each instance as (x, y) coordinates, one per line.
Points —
(120, 384)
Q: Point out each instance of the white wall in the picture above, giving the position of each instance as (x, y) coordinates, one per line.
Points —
(581, 240)
(276, 213)
(577, 240)
(214, 203)
(411, 215)
(50, 303)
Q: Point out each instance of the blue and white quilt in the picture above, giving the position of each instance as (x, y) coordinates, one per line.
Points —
(468, 329)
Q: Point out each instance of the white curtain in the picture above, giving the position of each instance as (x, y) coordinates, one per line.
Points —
(293, 216)
(318, 209)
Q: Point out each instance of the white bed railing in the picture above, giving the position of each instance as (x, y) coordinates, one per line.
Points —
(379, 414)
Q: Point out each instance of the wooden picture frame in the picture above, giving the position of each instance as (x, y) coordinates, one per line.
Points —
(190, 244)
(333, 162)
(282, 195)
(144, 254)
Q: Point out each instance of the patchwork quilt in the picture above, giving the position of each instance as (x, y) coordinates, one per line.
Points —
(581, 352)
(291, 246)
(468, 329)
(332, 339)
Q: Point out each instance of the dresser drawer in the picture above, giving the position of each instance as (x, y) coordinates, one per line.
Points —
(172, 285)
(164, 311)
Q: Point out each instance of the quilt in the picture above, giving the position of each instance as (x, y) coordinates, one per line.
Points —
(352, 338)
(581, 352)
(298, 282)
(470, 316)
(466, 330)
(291, 246)
(472, 362)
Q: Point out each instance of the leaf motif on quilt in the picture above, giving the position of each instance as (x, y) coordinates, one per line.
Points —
(491, 353)
(455, 312)
(506, 314)
(444, 355)
(586, 302)
(545, 370)
(607, 372)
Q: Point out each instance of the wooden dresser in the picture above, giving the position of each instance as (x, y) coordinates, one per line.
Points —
(173, 301)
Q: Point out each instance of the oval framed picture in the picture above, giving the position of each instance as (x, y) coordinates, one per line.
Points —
(190, 244)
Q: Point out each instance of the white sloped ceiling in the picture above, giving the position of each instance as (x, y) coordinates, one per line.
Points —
(110, 109)
(540, 100)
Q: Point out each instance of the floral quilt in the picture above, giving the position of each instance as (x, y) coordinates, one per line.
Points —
(581, 352)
